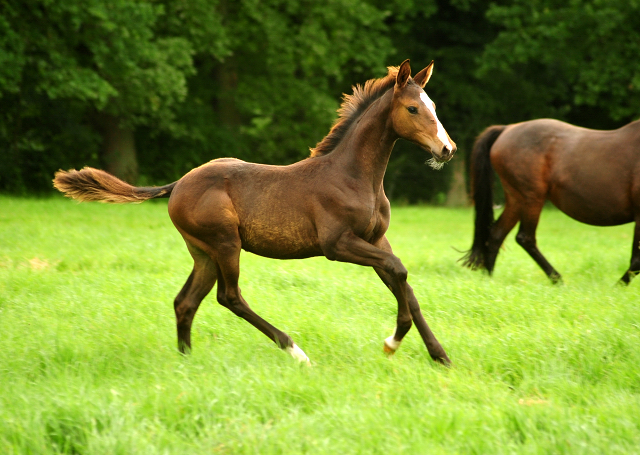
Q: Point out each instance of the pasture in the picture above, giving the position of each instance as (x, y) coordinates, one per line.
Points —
(89, 365)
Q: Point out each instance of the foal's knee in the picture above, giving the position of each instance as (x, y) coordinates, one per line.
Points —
(396, 269)
(526, 241)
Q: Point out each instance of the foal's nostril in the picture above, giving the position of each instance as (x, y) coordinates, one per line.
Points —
(447, 152)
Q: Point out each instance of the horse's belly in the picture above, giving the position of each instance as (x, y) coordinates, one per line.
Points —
(596, 210)
(284, 240)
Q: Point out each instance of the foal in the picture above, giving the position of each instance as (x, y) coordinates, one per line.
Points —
(331, 204)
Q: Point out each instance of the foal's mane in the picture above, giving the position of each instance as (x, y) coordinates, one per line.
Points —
(352, 107)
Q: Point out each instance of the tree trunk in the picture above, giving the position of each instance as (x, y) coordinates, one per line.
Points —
(119, 149)
(457, 195)
(227, 80)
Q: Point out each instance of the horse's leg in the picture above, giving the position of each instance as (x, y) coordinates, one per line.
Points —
(350, 248)
(634, 268)
(526, 238)
(230, 297)
(403, 322)
(499, 231)
(186, 303)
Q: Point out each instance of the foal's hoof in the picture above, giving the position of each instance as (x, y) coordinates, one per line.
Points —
(556, 279)
(184, 348)
(298, 354)
(443, 361)
(387, 350)
(390, 346)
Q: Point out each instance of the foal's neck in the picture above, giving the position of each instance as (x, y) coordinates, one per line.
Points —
(366, 148)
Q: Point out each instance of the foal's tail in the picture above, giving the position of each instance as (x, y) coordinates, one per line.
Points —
(482, 194)
(89, 184)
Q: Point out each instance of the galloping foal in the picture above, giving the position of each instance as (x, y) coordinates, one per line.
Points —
(331, 204)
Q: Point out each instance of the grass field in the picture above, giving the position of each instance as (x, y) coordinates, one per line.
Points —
(88, 359)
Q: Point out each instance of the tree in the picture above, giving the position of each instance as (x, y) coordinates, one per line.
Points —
(169, 84)
(453, 34)
(276, 93)
(100, 58)
(583, 54)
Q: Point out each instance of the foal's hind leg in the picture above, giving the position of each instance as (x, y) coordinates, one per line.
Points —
(526, 238)
(198, 285)
(230, 297)
(634, 268)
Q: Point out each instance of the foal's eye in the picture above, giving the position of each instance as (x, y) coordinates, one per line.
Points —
(412, 110)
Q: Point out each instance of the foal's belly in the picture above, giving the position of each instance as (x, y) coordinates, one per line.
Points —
(280, 239)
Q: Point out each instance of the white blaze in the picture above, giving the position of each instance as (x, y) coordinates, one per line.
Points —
(442, 134)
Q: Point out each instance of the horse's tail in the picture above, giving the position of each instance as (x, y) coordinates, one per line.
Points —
(89, 184)
(482, 194)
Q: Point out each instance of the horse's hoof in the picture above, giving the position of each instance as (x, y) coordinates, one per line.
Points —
(391, 345)
(184, 348)
(387, 350)
(298, 354)
(556, 279)
(443, 361)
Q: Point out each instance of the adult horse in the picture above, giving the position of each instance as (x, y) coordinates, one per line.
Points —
(593, 176)
(331, 204)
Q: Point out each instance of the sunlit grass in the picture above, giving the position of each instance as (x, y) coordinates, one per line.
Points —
(88, 361)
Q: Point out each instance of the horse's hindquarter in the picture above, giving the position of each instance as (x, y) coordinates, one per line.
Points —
(588, 174)
(520, 157)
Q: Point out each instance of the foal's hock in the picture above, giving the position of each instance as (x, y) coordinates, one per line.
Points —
(331, 204)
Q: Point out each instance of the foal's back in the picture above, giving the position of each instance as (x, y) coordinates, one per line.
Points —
(265, 204)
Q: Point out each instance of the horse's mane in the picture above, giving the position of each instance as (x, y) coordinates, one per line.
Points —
(352, 107)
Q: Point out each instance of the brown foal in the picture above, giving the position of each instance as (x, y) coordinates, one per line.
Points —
(331, 204)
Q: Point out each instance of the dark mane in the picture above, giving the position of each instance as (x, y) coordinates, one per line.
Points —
(352, 107)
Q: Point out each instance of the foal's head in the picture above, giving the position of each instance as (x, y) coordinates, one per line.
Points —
(413, 115)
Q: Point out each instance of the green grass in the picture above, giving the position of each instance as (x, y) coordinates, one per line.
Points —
(88, 359)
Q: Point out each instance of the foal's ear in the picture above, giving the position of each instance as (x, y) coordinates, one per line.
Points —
(423, 76)
(404, 73)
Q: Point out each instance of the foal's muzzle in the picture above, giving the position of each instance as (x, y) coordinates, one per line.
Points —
(445, 154)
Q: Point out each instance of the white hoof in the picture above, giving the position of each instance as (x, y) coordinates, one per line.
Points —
(391, 345)
(297, 353)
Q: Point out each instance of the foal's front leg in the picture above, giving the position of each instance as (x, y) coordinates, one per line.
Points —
(350, 248)
(403, 323)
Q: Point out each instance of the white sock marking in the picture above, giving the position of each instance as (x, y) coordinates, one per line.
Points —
(297, 353)
(442, 134)
(392, 343)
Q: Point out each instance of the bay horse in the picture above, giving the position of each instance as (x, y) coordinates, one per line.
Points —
(592, 176)
(330, 204)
